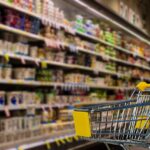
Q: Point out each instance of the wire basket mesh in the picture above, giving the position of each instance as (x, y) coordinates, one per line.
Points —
(125, 122)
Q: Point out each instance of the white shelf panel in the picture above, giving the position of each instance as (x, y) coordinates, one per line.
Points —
(42, 141)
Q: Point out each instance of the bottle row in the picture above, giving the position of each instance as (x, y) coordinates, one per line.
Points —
(36, 98)
(60, 76)
(18, 129)
(65, 56)
(80, 24)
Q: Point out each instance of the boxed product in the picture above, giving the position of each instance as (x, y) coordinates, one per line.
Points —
(24, 73)
(2, 98)
(7, 72)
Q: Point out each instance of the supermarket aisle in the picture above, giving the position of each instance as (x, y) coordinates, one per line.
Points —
(52, 61)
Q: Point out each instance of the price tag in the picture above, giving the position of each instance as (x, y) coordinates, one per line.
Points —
(7, 112)
(72, 31)
(6, 56)
(142, 78)
(135, 54)
(44, 21)
(118, 75)
(43, 64)
(20, 148)
(69, 140)
(147, 59)
(62, 141)
(53, 43)
(66, 87)
(96, 72)
(43, 108)
(48, 145)
(23, 61)
(20, 82)
(47, 42)
(10, 81)
(58, 44)
(37, 63)
(57, 26)
(50, 107)
(105, 57)
(76, 138)
(57, 142)
(72, 48)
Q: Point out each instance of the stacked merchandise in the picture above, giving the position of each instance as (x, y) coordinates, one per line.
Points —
(69, 62)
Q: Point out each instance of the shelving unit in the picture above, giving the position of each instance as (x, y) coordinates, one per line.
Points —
(40, 143)
(83, 78)
(87, 5)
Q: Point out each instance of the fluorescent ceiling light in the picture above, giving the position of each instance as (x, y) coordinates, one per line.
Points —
(112, 21)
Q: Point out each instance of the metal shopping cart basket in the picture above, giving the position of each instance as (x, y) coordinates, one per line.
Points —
(126, 122)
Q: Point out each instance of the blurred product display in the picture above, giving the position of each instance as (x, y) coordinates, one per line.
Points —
(52, 61)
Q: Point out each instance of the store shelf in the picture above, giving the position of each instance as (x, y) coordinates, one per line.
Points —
(38, 37)
(90, 6)
(39, 141)
(29, 83)
(67, 66)
(33, 14)
(70, 66)
(128, 63)
(12, 6)
(111, 58)
(20, 32)
(51, 84)
(110, 87)
(90, 37)
(36, 106)
(41, 106)
(43, 134)
(124, 21)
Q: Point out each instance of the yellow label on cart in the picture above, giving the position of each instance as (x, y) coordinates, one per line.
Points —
(82, 123)
(142, 86)
(142, 123)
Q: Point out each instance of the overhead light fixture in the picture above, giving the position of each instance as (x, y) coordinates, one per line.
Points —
(110, 20)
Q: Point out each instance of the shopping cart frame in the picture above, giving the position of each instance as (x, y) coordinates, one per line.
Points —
(135, 136)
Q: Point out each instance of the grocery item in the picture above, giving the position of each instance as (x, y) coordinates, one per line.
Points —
(24, 73)
(33, 52)
(7, 72)
(2, 98)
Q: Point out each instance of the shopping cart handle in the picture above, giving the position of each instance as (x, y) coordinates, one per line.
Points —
(142, 86)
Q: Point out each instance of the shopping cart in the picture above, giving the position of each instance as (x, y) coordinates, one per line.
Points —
(123, 123)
